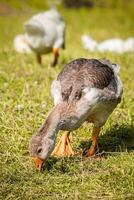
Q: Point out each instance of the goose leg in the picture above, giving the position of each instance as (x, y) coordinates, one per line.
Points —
(63, 148)
(39, 60)
(95, 134)
(55, 57)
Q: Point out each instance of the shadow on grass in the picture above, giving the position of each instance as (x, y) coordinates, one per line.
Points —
(117, 139)
(62, 164)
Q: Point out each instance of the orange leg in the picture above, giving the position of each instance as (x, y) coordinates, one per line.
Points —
(95, 134)
(63, 148)
(39, 59)
(55, 57)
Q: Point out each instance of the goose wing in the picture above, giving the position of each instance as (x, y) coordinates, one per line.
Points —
(80, 75)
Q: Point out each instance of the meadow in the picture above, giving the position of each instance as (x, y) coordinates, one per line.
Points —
(25, 101)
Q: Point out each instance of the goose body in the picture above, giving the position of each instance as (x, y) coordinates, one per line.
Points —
(88, 88)
(45, 32)
(113, 45)
(85, 90)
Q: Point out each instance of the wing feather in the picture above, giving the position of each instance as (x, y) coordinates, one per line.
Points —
(82, 73)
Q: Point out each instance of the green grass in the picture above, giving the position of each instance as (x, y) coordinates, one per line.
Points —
(25, 101)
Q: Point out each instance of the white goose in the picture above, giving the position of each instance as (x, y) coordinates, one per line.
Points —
(115, 45)
(45, 32)
(85, 90)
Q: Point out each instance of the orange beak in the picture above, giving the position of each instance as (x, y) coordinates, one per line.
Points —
(38, 163)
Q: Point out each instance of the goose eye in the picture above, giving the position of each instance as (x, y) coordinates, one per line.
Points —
(39, 150)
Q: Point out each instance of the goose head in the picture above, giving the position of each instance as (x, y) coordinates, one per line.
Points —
(41, 147)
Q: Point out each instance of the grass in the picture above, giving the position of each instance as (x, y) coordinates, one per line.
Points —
(26, 100)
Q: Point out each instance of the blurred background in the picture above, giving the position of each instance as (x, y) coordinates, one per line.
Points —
(100, 19)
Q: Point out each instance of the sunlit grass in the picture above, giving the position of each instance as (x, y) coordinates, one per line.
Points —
(26, 100)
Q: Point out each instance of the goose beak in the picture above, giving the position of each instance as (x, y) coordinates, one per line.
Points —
(38, 163)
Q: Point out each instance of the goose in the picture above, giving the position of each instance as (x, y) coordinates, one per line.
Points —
(116, 45)
(45, 32)
(85, 90)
